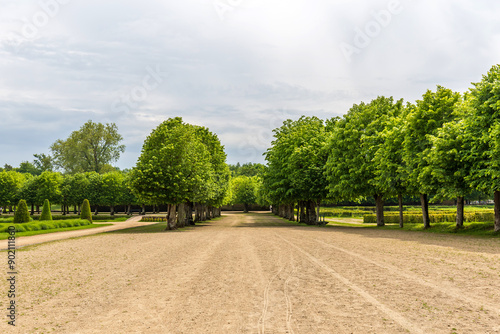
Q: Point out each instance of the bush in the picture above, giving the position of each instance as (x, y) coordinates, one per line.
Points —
(412, 218)
(86, 214)
(22, 214)
(46, 214)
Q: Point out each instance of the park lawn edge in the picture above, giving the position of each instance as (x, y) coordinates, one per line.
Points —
(4, 236)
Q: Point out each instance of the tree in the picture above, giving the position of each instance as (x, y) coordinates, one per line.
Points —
(28, 168)
(10, 185)
(244, 190)
(48, 185)
(390, 172)
(46, 214)
(21, 215)
(112, 189)
(74, 189)
(175, 167)
(86, 214)
(483, 131)
(352, 166)
(43, 163)
(422, 120)
(295, 172)
(91, 148)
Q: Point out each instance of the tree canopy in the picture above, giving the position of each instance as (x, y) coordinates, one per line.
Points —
(92, 148)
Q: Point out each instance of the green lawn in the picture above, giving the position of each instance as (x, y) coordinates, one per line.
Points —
(36, 227)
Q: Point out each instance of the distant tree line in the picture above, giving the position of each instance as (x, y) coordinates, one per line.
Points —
(446, 145)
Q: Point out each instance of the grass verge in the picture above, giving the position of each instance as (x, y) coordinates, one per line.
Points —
(4, 235)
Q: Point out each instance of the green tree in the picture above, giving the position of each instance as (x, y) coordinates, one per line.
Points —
(483, 131)
(21, 215)
(48, 186)
(43, 162)
(91, 148)
(86, 214)
(390, 172)
(46, 214)
(11, 183)
(28, 168)
(244, 190)
(295, 171)
(173, 168)
(352, 166)
(112, 189)
(422, 121)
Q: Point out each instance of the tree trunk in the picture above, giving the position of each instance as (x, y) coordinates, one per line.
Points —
(181, 216)
(32, 209)
(497, 211)
(37, 209)
(291, 208)
(400, 202)
(112, 210)
(171, 217)
(245, 209)
(96, 211)
(379, 203)
(310, 213)
(74, 209)
(318, 213)
(79, 209)
(128, 209)
(143, 211)
(460, 212)
(302, 212)
(63, 209)
(425, 210)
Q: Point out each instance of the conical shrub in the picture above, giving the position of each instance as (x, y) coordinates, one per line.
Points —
(22, 214)
(46, 214)
(86, 214)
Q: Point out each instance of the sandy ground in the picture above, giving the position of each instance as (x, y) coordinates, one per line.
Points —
(257, 274)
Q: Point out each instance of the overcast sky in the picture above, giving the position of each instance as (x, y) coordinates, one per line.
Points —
(239, 67)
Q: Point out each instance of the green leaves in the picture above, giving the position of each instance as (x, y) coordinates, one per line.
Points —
(91, 148)
(179, 163)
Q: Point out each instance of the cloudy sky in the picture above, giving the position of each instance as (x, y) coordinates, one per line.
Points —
(239, 67)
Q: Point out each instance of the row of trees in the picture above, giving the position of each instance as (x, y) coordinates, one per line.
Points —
(109, 189)
(446, 145)
(184, 166)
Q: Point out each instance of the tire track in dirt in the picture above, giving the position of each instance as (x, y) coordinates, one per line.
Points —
(454, 293)
(396, 316)
(262, 320)
(289, 308)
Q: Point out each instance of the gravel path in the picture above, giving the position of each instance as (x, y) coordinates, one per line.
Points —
(255, 273)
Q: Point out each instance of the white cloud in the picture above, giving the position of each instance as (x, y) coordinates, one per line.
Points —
(240, 76)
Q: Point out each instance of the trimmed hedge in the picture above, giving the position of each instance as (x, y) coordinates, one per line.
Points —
(73, 216)
(46, 214)
(22, 214)
(393, 218)
(45, 225)
(153, 219)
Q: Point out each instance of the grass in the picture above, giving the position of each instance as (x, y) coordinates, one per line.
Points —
(4, 235)
(470, 229)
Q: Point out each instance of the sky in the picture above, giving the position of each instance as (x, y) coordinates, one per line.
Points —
(238, 67)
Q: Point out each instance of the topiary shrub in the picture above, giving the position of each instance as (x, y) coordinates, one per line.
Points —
(22, 214)
(86, 214)
(46, 214)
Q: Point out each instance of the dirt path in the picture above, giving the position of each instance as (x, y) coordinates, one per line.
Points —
(257, 274)
(41, 238)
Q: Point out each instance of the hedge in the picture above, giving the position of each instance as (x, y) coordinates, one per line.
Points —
(478, 216)
(45, 225)
(153, 219)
